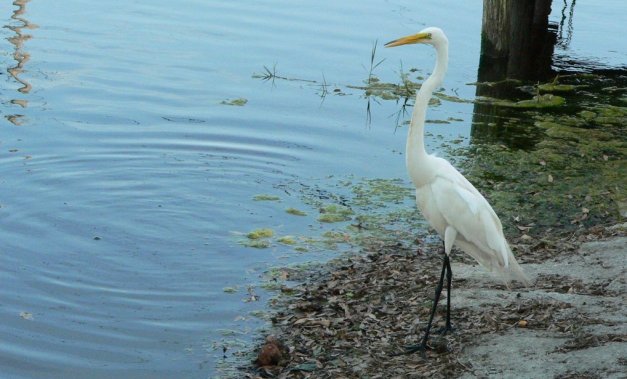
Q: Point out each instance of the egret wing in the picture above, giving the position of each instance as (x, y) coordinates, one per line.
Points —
(471, 215)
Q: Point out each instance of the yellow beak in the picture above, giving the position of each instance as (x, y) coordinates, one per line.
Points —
(414, 38)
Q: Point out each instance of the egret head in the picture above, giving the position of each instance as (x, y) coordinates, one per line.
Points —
(432, 36)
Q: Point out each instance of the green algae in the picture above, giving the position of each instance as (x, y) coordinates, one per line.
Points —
(366, 211)
(379, 192)
(331, 213)
(552, 87)
(332, 217)
(388, 91)
(257, 244)
(578, 164)
(258, 238)
(333, 236)
(260, 233)
(555, 86)
(287, 240)
(295, 212)
(404, 90)
(451, 98)
(572, 159)
(537, 102)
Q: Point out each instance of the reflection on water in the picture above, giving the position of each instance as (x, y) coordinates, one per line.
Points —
(564, 36)
(517, 55)
(20, 56)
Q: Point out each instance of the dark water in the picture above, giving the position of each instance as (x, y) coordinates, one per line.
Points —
(127, 177)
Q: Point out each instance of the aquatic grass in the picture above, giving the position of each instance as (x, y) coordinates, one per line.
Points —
(268, 74)
(271, 75)
(373, 65)
(323, 89)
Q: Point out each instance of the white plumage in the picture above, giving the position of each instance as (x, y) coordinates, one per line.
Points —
(447, 200)
(464, 218)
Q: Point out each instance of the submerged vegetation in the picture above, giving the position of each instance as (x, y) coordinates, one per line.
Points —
(569, 175)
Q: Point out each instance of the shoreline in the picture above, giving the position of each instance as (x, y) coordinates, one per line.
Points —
(347, 318)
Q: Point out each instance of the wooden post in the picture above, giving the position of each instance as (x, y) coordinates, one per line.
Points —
(516, 43)
(515, 40)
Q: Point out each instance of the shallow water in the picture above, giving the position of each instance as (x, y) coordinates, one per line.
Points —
(127, 179)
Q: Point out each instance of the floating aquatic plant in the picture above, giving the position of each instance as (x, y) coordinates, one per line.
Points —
(265, 197)
(287, 240)
(236, 102)
(295, 212)
(260, 233)
(335, 213)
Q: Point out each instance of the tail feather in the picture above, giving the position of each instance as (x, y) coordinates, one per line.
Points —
(489, 260)
(513, 272)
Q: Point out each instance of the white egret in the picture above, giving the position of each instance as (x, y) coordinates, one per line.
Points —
(447, 200)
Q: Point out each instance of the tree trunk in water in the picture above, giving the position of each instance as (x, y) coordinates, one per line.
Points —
(516, 41)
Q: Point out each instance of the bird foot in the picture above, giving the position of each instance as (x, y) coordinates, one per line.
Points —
(445, 330)
(421, 347)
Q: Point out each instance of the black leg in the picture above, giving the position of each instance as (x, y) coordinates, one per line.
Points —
(449, 279)
(438, 291)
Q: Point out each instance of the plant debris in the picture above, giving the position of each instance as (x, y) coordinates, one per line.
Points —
(350, 318)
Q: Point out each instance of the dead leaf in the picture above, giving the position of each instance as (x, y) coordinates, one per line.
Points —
(301, 321)
(526, 237)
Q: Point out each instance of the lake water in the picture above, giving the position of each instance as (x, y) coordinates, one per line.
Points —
(135, 135)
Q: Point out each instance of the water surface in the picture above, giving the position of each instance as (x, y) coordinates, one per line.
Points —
(127, 178)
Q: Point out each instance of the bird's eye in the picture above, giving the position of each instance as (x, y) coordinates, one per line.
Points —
(428, 35)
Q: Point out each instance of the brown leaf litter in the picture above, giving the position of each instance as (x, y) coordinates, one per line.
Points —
(348, 319)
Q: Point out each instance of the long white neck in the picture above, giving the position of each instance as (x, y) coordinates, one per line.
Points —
(415, 152)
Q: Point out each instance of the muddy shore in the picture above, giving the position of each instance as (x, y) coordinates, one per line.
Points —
(347, 319)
